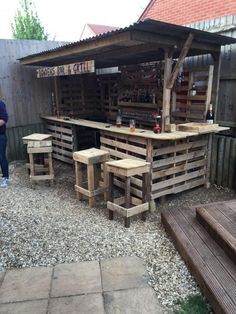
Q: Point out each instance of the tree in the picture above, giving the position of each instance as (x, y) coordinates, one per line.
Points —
(27, 24)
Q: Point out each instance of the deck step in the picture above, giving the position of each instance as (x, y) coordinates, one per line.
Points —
(219, 229)
(214, 271)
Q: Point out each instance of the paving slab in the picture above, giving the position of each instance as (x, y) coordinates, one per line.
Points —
(83, 304)
(132, 301)
(123, 273)
(76, 278)
(26, 284)
(27, 307)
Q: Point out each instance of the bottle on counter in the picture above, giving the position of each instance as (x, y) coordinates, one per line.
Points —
(193, 91)
(119, 119)
(210, 115)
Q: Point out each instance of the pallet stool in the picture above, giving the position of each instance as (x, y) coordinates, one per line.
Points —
(128, 168)
(93, 158)
(40, 147)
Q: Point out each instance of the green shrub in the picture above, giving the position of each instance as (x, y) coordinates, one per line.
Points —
(195, 304)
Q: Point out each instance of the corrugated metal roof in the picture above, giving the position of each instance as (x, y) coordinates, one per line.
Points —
(148, 27)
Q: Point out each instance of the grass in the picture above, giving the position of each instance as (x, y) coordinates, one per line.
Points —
(195, 304)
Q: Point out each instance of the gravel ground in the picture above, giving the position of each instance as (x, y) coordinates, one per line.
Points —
(48, 225)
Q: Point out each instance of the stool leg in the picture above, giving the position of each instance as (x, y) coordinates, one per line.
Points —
(127, 200)
(105, 181)
(78, 178)
(127, 192)
(50, 166)
(145, 193)
(91, 184)
(110, 193)
(32, 173)
(127, 222)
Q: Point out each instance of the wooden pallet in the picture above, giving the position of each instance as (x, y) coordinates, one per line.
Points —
(63, 141)
(176, 165)
(214, 271)
(193, 108)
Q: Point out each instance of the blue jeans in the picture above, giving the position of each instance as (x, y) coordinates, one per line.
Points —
(3, 159)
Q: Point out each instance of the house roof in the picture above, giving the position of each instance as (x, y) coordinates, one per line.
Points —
(148, 7)
(141, 42)
(101, 29)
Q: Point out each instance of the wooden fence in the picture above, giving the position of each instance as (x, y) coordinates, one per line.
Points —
(223, 162)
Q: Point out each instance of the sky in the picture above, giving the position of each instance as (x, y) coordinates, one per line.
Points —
(64, 20)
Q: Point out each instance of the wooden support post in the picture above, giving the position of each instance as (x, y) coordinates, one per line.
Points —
(166, 92)
(91, 184)
(57, 96)
(78, 178)
(111, 193)
(105, 181)
(180, 61)
(127, 192)
(216, 81)
(209, 154)
(50, 167)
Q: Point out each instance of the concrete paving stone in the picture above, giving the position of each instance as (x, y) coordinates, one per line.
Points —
(76, 278)
(27, 307)
(132, 301)
(26, 284)
(82, 304)
(123, 273)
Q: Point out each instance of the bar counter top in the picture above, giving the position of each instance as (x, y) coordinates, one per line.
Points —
(125, 130)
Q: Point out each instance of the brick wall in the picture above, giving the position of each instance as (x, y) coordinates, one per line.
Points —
(188, 11)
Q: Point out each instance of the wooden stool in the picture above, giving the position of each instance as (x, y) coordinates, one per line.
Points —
(92, 157)
(128, 168)
(36, 170)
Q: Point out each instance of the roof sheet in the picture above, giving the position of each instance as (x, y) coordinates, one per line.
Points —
(149, 28)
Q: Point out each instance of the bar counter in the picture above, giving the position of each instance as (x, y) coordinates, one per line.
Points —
(179, 160)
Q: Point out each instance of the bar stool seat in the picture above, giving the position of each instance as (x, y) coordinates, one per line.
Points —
(93, 158)
(43, 171)
(128, 168)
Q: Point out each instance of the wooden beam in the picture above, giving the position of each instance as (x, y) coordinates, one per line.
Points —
(115, 39)
(166, 91)
(216, 81)
(180, 61)
(141, 36)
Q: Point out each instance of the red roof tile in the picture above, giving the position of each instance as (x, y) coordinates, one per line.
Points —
(101, 29)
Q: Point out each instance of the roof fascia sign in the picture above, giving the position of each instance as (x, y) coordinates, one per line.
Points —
(67, 69)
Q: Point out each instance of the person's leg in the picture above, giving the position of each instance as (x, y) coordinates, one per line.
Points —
(3, 159)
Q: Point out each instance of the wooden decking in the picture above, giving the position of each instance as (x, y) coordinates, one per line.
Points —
(206, 242)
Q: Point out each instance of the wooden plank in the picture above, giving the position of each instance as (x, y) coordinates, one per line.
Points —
(62, 137)
(39, 150)
(59, 129)
(62, 158)
(62, 144)
(62, 151)
(42, 177)
(125, 146)
(118, 154)
(172, 160)
(178, 179)
(178, 147)
(181, 188)
(177, 169)
(128, 212)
